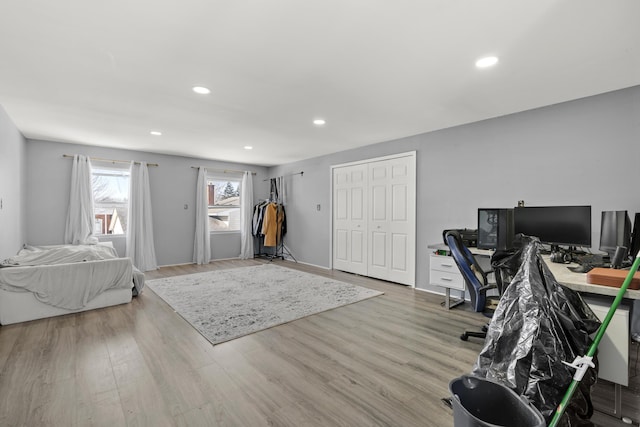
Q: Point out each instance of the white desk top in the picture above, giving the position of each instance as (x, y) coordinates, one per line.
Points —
(575, 281)
(578, 281)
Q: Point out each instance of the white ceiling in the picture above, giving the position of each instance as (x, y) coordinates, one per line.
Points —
(108, 72)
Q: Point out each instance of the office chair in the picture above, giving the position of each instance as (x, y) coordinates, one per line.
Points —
(474, 276)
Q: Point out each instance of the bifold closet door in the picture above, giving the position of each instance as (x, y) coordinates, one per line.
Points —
(374, 219)
(391, 225)
(349, 219)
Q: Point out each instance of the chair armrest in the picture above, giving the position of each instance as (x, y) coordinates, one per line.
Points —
(487, 287)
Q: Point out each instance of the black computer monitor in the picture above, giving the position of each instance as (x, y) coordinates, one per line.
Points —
(615, 230)
(495, 228)
(555, 225)
(635, 237)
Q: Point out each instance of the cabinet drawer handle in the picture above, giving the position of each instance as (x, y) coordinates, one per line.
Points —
(446, 279)
(447, 265)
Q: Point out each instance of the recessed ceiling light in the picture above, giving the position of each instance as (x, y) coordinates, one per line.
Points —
(487, 61)
(201, 90)
(155, 132)
(319, 122)
(248, 147)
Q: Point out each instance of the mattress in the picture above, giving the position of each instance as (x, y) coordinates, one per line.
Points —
(18, 307)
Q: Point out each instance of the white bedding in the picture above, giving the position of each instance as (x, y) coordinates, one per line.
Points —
(68, 277)
(43, 255)
(69, 286)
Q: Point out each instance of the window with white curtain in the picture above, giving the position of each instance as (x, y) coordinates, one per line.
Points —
(223, 193)
(110, 184)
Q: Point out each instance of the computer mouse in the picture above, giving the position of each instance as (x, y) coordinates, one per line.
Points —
(580, 268)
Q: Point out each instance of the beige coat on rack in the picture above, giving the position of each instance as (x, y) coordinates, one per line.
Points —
(270, 225)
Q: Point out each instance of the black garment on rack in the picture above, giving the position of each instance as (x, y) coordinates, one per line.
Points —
(258, 217)
(284, 220)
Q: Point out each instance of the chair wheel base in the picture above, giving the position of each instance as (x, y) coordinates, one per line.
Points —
(465, 336)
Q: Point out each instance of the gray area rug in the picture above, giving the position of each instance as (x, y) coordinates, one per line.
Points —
(227, 304)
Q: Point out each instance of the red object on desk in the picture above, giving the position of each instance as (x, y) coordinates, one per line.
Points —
(612, 277)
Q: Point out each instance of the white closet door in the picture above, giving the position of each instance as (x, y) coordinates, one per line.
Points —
(350, 219)
(391, 222)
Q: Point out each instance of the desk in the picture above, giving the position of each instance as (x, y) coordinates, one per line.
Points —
(613, 350)
(578, 281)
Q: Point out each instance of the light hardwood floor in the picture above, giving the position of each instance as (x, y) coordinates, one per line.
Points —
(386, 361)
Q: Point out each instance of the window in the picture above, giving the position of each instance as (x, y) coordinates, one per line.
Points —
(224, 203)
(110, 184)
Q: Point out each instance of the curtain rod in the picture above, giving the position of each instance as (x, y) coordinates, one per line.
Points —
(301, 173)
(98, 159)
(224, 170)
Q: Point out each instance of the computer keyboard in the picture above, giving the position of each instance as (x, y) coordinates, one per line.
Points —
(590, 259)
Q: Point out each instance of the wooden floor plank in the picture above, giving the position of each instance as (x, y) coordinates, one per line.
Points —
(386, 361)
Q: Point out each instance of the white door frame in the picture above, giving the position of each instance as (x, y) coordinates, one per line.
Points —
(358, 162)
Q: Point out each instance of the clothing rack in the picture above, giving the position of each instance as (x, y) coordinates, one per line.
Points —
(279, 252)
(301, 173)
(274, 218)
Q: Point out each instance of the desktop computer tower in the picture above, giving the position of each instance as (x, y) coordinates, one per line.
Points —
(495, 228)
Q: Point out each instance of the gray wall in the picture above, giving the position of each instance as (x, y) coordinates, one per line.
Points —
(581, 152)
(173, 185)
(12, 185)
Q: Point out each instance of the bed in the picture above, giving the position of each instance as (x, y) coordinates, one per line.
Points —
(42, 282)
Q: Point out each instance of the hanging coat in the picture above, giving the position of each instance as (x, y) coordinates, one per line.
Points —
(270, 225)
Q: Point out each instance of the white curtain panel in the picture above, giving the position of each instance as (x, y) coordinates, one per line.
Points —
(140, 247)
(80, 219)
(202, 242)
(246, 216)
(282, 191)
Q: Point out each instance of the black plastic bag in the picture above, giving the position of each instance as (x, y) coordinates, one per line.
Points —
(537, 325)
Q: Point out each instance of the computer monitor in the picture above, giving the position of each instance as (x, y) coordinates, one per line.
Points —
(615, 230)
(495, 228)
(555, 225)
(635, 237)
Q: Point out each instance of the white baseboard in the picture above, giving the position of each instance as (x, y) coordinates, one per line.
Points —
(176, 265)
(306, 263)
(193, 263)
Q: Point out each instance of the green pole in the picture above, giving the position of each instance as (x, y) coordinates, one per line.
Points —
(594, 346)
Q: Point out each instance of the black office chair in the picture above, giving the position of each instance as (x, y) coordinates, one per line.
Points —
(474, 276)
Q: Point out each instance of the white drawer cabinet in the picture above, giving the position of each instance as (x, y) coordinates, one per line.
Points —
(444, 272)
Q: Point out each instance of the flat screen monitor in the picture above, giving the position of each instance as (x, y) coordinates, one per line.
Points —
(615, 230)
(635, 237)
(555, 225)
